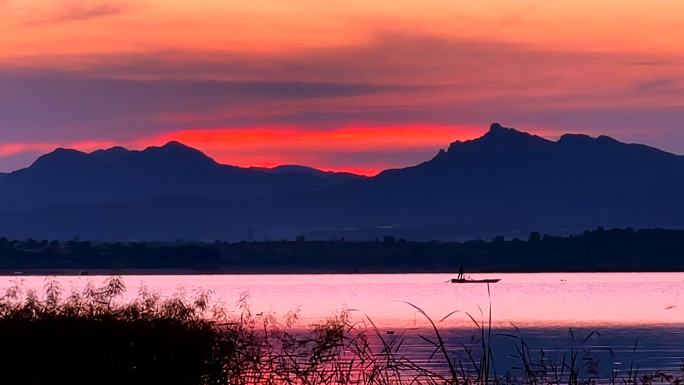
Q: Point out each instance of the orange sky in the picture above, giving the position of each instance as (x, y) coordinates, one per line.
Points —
(330, 83)
(67, 27)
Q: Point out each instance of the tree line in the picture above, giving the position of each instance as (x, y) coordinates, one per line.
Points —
(595, 250)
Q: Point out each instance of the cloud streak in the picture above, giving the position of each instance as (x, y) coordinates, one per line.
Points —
(77, 11)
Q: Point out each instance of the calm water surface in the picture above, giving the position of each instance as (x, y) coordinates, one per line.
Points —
(625, 308)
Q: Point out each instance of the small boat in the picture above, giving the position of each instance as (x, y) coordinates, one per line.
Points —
(470, 280)
(462, 278)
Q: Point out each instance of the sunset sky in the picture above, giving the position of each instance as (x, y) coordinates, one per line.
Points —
(343, 85)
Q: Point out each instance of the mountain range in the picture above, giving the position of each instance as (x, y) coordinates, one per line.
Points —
(506, 182)
(118, 175)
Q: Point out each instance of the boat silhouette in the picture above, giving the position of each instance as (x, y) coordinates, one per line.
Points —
(470, 280)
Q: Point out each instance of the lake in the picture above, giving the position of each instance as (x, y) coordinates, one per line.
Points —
(622, 309)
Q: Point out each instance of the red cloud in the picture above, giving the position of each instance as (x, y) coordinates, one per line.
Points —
(361, 149)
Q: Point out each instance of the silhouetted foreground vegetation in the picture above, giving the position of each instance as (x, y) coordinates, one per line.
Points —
(92, 337)
(86, 338)
(598, 250)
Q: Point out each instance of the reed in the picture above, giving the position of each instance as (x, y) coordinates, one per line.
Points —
(95, 337)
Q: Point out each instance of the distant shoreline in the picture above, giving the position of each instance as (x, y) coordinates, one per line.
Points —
(600, 250)
(173, 272)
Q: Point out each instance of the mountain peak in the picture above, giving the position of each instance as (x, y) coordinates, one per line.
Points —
(176, 144)
(58, 155)
(179, 152)
(61, 151)
(496, 130)
(497, 138)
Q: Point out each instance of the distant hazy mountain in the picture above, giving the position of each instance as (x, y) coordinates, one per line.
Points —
(119, 175)
(296, 169)
(506, 182)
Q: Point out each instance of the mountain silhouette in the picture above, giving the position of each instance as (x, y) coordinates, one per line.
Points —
(118, 175)
(506, 182)
(522, 182)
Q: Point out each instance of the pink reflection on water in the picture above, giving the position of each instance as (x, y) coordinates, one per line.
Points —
(524, 299)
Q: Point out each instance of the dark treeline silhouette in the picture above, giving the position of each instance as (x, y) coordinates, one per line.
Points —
(596, 250)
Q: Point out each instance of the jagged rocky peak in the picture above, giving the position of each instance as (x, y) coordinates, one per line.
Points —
(498, 129)
(500, 137)
(499, 132)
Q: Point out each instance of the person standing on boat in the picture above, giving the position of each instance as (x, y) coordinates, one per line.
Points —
(460, 272)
